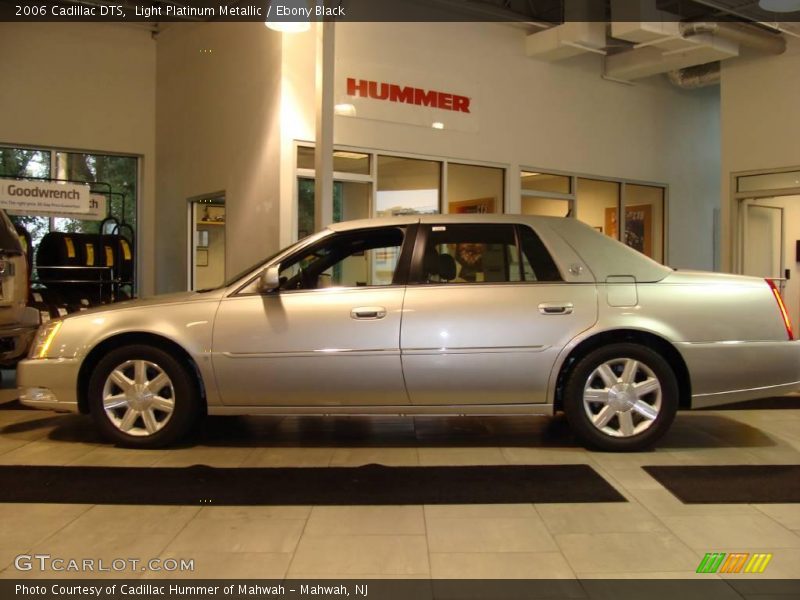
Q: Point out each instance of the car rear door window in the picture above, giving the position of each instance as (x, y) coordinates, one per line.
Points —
(487, 253)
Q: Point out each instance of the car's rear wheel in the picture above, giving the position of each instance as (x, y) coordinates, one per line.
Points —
(621, 397)
(141, 396)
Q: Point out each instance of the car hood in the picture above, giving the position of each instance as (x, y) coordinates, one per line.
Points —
(160, 300)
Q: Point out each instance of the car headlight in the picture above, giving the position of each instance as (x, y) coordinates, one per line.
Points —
(44, 339)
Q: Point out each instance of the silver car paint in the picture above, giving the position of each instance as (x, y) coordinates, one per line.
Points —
(279, 353)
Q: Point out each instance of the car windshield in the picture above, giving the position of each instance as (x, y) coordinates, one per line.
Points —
(231, 280)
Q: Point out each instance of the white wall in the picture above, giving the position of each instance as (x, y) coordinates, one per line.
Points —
(760, 123)
(218, 131)
(84, 86)
(560, 116)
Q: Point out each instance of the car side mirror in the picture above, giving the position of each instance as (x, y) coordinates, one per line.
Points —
(269, 280)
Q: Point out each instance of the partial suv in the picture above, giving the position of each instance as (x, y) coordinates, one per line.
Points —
(18, 323)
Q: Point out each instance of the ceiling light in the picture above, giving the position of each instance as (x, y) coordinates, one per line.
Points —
(346, 110)
(779, 6)
(437, 125)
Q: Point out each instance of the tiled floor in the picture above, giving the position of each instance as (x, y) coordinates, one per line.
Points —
(652, 535)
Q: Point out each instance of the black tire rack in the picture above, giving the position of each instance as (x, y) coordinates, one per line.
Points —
(77, 271)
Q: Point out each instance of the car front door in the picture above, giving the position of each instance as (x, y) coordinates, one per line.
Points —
(330, 335)
(486, 314)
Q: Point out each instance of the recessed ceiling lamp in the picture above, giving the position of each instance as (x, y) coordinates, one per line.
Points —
(346, 110)
(293, 17)
(437, 125)
(780, 6)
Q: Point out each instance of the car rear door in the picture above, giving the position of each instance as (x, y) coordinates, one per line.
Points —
(486, 314)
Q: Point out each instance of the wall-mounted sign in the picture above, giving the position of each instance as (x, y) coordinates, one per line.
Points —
(34, 197)
(428, 99)
(97, 211)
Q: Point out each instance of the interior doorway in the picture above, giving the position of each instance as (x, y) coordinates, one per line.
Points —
(768, 242)
(206, 242)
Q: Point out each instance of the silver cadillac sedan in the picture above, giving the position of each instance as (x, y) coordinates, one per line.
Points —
(427, 315)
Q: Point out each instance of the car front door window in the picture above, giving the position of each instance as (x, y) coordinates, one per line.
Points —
(361, 259)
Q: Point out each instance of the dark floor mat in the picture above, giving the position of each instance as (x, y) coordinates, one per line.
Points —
(772, 403)
(370, 484)
(731, 484)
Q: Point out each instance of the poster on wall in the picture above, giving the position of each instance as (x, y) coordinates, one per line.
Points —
(638, 227)
(479, 206)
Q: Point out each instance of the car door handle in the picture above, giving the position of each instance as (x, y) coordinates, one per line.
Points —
(368, 312)
(556, 308)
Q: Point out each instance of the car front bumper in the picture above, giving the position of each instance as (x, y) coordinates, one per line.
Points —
(49, 384)
(15, 341)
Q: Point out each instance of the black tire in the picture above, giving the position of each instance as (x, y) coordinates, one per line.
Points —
(649, 365)
(183, 390)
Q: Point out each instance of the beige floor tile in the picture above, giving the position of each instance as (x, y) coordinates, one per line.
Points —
(787, 515)
(489, 535)
(632, 478)
(500, 565)
(430, 457)
(212, 457)
(111, 456)
(23, 525)
(254, 512)
(136, 519)
(46, 453)
(238, 535)
(626, 552)
(547, 456)
(471, 511)
(356, 457)
(709, 532)
(662, 503)
(9, 444)
(228, 565)
(598, 518)
(351, 555)
(366, 520)
(289, 457)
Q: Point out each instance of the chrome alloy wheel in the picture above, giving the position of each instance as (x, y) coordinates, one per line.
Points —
(138, 398)
(622, 397)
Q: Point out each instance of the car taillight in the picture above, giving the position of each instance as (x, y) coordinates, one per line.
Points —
(782, 307)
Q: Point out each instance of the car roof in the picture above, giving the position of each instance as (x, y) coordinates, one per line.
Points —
(603, 255)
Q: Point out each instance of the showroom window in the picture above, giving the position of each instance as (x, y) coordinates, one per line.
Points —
(370, 184)
(112, 177)
(597, 202)
(408, 186)
(346, 260)
(474, 189)
(484, 254)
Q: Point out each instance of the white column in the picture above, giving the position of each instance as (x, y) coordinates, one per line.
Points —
(323, 153)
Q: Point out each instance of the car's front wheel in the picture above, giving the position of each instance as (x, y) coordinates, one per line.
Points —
(621, 397)
(141, 396)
